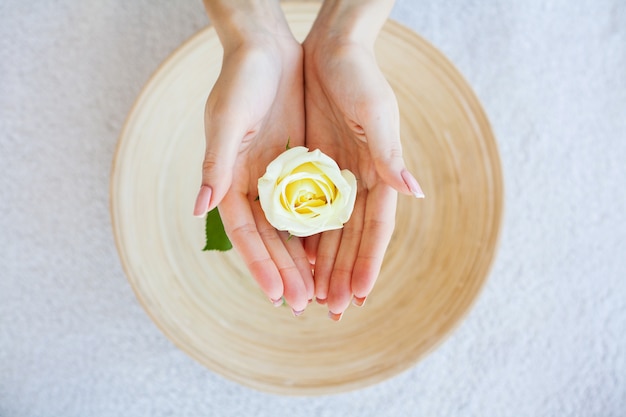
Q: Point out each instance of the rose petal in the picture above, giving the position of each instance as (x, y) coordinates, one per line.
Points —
(306, 193)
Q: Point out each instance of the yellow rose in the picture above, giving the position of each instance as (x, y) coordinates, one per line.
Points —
(305, 193)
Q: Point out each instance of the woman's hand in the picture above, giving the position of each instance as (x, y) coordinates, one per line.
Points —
(256, 104)
(352, 115)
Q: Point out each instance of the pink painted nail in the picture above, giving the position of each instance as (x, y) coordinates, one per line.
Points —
(335, 316)
(277, 302)
(202, 201)
(412, 183)
(359, 302)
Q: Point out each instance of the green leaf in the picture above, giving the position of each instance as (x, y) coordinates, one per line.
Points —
(216, 238)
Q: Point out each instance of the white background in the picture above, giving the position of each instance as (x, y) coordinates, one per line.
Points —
(546, 337)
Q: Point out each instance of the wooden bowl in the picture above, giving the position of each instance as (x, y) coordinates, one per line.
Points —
(208, 304)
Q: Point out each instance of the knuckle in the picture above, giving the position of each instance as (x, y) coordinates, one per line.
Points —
(326, 257)
(210, 161)
(268, 234)
(242, 232)
(300, 259)
(353, 233)
(342, 271)
(288, 270)
(394, 151)
(379, 227)
(390, 154)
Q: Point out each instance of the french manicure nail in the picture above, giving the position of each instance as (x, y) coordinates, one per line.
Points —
(277, 302)
(296, 313)
(359, 302)
(412, 184)
(202, 201)
(335, 316)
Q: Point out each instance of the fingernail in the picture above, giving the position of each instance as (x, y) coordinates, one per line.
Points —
(359, 302)
(277, 302)
(310, 300)
(296, 313)
(321, 301)
(202, 201)
(335, 316)
(412, 183)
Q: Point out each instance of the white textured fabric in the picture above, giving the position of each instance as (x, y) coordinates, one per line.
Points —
(547, 337)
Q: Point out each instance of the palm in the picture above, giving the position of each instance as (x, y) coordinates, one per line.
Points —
(256, 105)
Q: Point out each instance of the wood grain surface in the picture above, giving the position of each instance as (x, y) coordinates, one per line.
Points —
(208, 304)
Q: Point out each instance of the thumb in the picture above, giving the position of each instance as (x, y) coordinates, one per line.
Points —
(383, 140)
(222, 145)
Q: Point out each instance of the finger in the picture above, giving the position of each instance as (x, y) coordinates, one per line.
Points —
(340, 288)
(380, 124)
(324, 262)
(223, 138)
(378, 226)
(295, 291)
(310, 246)
(297, 252)
(202, 201)
(241, 228)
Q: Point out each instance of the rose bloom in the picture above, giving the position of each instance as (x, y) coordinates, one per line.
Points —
(305, 193)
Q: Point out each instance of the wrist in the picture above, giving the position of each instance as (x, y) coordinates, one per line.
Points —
(247, 23)
(350, 21)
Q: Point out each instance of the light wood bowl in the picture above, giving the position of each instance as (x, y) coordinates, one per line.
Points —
(208, 304)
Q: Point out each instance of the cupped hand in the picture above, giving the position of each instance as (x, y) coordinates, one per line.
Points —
(352, 115)
(255, 106)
